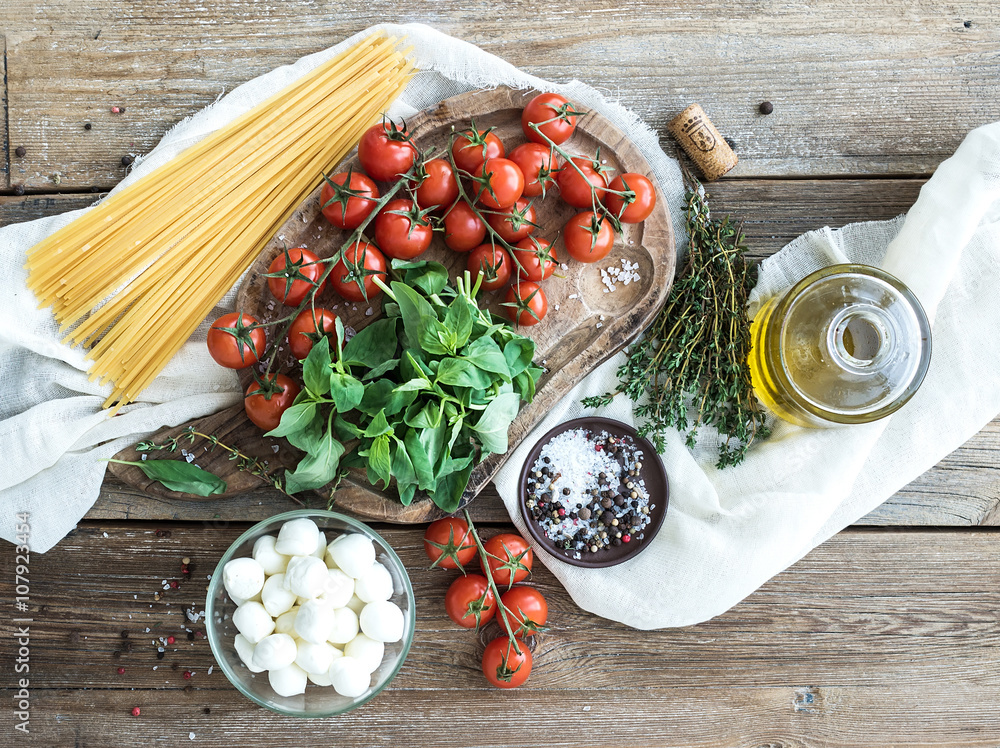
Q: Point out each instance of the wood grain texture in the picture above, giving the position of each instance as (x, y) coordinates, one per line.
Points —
(862, 643)
(857, 88)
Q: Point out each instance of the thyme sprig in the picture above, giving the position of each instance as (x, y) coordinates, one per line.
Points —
(689, 369)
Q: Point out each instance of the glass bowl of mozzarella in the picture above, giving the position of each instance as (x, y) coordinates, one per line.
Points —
(310, 613)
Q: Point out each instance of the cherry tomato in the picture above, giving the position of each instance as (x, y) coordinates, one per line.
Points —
(635, 206)
(234, 346)
(469, 601)
(526, 303)
(587, 237)
(504, 183)
(438, 186)
(535, 259)
(473, 147)
(509, 555)
(514, 223)
(347, 199)
(538, 165)
(448, 543)
(463, 229)
(576, 189)
(385, 152)
(528, 610)
(506, 664)
(545, 107)
(402, 231)
(493, 263)
(265, 410)
(294, 273)
(308, 327)
(363, 260)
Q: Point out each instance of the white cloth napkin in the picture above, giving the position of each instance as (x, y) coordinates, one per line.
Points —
(53, 433)
(727, 532)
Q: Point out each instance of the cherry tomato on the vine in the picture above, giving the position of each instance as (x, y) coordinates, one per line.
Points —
(438, 187)
(575, 186)
(463, 229)
(506, 663)
(385, 152)
(526, 303)
(293, 274)
(448, 543)
(360, 262)
(473, 147)
(503, 183)
(347, 199)
(528, 610)
(509, 555)
(308, 327)
(588, 238)
(492, 263)
(402, 230)
(233, 344)
(469, 601)
(553, 114)
(514, 223)
(535, 259)
(265, 408)
(638, 202)
(538, 164)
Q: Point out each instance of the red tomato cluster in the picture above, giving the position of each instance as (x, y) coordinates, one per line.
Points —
(471, 602)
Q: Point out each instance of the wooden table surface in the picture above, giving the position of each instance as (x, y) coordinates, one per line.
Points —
(885, 635)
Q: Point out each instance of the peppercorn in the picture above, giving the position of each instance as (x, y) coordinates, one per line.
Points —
(607, 503)
(95, 188)
(121, 671)
(127, 160)
(619, 500)
(171, 640)
(18, 189)
(124, 634)
(566, 492)
(616, 541)
(160, 655)
(187, 675)
(127, 647)
(584, 513)
(188, 688)
(606, 518)
(136, 711)
(766, 107)
(87, 125)
(207, 710)
(967, 24)
(20, 151)
(190, 636)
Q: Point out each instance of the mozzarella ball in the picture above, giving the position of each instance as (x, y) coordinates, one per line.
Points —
(238, 601)
(374, 584)
(345, 626)
(265, 555)
(382, 621)
(315, 621)
(320, 551)
(305, 576)
(274, 652)
(253, 621)
(328, 558)
(349, 677)
(315, 658)
(288, 681)
(275, 598)
(354, 554)
(339, 588)
(320, 679)
(365, 650)
(297, 537)
(243, 578)
(285, 623)
(245, 650)
(356, 603)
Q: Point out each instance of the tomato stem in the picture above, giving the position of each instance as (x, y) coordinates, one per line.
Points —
(501, 608)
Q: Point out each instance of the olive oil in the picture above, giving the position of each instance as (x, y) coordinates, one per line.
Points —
(846, 344)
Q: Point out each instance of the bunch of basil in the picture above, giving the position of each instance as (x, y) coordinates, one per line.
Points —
(422, 392)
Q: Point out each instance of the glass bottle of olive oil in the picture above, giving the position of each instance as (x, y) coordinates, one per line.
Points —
(846, 344)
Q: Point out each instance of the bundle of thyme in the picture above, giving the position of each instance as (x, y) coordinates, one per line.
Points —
(689, 369)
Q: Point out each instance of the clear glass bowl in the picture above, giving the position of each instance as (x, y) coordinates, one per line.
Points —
(317, 701)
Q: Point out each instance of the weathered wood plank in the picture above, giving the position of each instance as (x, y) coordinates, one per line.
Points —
(856, 89)
(7, 151)
(870, 618)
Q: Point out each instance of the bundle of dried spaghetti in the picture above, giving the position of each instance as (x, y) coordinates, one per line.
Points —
(138, 273)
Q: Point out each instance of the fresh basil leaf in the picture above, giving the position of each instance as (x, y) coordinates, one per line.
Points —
(296, 418)
(378, 461)
(459, 372)
(423, 467)
(180, 475)
(341, 336)
(495, 420)
(518, 351)
(525, 386)
(433, 442)
(316, 368)
(346, 391)
(379, 426)
(317, 468)
(373, 345)
(402, 471)
(485, 354)
(384, 368)
(458, 320)
(414, 385)
(429, 277)
(406, 493)
(390, 309)
(447, 495)
(423, 415)
(307, 438)
(382, 395)
(345, 430)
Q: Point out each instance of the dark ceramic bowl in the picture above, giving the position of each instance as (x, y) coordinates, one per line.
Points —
(652, 474)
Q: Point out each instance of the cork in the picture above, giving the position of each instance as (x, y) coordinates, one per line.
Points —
(702, 142)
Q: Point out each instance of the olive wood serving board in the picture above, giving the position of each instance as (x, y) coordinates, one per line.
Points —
(584, 327)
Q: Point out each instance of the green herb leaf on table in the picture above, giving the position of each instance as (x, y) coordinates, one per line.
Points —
(495, 420)
(316, 367)
(318, 467)
(180, 475)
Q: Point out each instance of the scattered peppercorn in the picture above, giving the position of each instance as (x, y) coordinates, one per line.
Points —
(199, 634)
(174, 585)
(190, 636)
(188, 688)
(207, 710)
(127, 160)
(18, 189)
(766, 107)
(171, 640)
(95, 188)
(117, 110)
(160, 655)
(127, 647)
(124, 634)
(968, 24)
(121, 671)
(187, 675)
(87, 125)
(20, 151)
(136, 711)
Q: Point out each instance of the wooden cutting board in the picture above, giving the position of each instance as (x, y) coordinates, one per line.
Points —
(584, 327)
